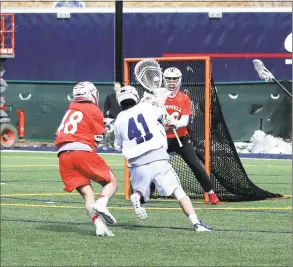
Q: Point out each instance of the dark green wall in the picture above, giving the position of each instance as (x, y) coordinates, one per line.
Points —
(256, 101)
(48, 102)
(46, 107)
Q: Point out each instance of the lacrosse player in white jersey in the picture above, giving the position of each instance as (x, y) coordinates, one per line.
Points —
(144, 144)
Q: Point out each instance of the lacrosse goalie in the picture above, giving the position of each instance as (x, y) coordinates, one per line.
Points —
(178, 106)
(144, 144)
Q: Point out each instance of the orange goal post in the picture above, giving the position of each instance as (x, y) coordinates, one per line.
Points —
(205, 67)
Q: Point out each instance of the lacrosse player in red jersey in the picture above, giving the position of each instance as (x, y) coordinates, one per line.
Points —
(178, 107)
(76, 138)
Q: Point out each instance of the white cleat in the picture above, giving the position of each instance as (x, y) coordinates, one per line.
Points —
(139, 210)
(102, 229)
(201, 227)
(102, 210)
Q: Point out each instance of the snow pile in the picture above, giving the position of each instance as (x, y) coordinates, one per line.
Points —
(263, 143)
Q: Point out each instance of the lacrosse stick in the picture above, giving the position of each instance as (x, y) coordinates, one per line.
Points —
(266, 75)
(149, 74)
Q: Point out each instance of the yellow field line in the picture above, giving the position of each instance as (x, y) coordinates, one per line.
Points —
(50, 158)
(77, 194)
(46, 165)
(47, 194)
(269, 166)
(28, 165)
(55, 158)
(150, 208)
(118, 164)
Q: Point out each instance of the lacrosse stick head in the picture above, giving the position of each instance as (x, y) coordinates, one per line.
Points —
(158, 97)
(149, 74)
(262, 71)
(161, 94)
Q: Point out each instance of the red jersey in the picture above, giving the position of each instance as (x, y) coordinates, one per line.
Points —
(178, 106)
(80, 123)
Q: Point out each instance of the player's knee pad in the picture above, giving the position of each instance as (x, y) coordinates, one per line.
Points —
(179, 193)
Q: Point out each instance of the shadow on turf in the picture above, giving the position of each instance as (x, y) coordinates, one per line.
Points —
(74, 229)
(70, 227)
(139, 226)
(66, 229)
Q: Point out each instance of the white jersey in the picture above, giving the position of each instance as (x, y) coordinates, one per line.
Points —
(138, 131)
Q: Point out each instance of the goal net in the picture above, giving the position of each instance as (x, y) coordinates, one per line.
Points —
(213, 144)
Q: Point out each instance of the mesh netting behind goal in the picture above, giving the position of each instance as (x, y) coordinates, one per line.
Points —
(227, 173)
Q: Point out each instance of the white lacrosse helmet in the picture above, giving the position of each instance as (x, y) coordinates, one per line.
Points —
(85, 92)
(127, 92)
(172, 80)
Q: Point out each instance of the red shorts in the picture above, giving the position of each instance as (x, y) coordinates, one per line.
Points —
(78, 167)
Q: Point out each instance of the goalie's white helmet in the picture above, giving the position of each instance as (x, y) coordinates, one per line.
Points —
(172, 80)
(127, 92)
(85, 92)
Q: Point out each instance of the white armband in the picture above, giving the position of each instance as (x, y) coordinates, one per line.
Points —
(171, 121)
(183, 122)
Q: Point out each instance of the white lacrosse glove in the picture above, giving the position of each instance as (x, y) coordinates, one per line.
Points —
(118, 148)
(170, 121)
(108, 122)
(109, 129)
(98, 138)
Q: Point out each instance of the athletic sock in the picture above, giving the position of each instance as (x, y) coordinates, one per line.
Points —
(193, 218)
(103, 199)
(137, 194)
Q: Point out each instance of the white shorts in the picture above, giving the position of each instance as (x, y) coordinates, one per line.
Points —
(161, 173)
